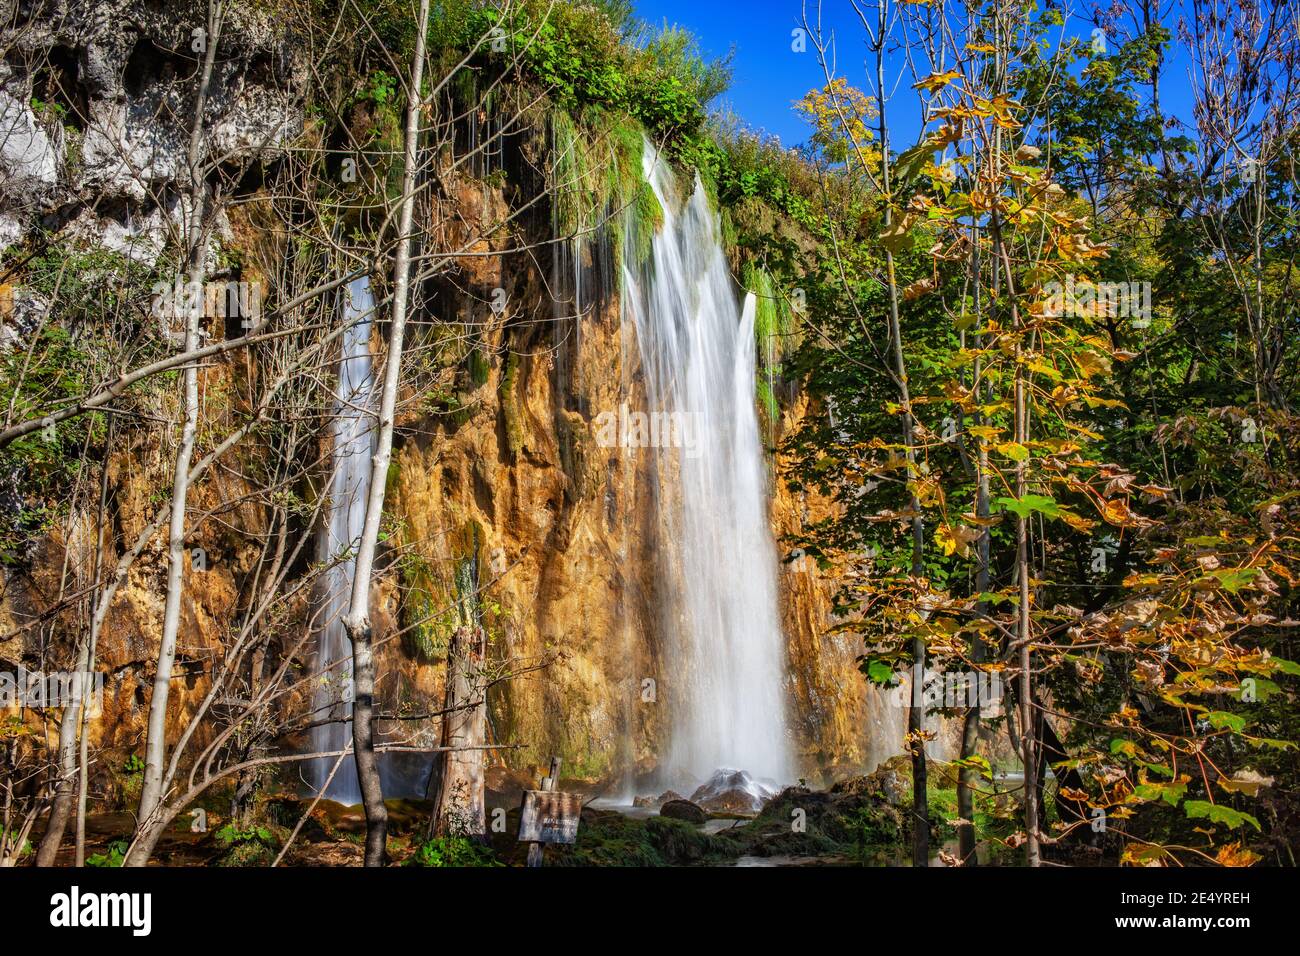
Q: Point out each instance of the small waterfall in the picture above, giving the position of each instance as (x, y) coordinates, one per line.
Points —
(697, 353)
(353, 448)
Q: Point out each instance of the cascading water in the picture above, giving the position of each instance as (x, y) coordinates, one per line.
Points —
(353, 448)
(698, 358)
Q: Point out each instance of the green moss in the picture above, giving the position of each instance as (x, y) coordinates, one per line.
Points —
(479, 367)
(647, 219)
(606, 838)
(574, 187)
(510, 405)
(774, 333)
(434, 605)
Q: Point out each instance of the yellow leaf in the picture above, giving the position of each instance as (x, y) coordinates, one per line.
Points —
(1092, 363)
(1116, 511)
(936, 81)
(1249, 782)
(1077, 522)
(955, 538)
(1013, 450)
(1235, 855)
(1137, 854)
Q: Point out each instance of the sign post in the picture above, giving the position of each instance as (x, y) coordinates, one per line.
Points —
(548, 816)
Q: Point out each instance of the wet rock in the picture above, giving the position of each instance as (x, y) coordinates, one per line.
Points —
(732, 791)
(892, 780)
(846, 819)
(659, 801)
(683, 810)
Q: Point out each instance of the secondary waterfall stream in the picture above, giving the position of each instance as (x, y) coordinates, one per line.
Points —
(697, 351)
(353, 447)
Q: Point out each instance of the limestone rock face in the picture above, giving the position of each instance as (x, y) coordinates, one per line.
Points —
(106, 155)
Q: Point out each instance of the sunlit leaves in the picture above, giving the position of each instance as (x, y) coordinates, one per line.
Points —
(937, 81)
(1218, 813)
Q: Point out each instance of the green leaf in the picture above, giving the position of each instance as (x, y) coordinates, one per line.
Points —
(1022, 507)
(878, 672)
(911, 162)
(1221, 718)
(1170, 793)
(1217, 813)
(1013, 450)
(1234, 581)
(1285, 666)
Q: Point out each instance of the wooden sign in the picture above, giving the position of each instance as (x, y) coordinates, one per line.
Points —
(550, 817)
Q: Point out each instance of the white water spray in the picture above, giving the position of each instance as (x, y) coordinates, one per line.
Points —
(698, 357)
(353, 448)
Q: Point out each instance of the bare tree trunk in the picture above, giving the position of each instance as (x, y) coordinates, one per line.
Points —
(968, 777)
(967, 780)
(83, 775)
(65, 784)
(915, 714)
(156, 739)
(1028, 725)
(458, 808)
(357, 621)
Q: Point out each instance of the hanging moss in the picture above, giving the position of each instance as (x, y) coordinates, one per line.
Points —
(729, 237)
(479, 367)
(422, 638)
(774, 331)
(436, 603)
(574, 187)
(510, 405)
(773, 319)
(647, 219)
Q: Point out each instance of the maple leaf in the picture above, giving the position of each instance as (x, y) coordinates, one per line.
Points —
(936, 81)
(1233, 854)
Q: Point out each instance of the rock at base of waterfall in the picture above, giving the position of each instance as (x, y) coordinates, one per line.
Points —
(892, 779)
(656, 802)
(683, 810)
(732, 791)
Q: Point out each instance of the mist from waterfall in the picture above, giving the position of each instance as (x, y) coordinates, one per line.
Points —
(727, 654)
(353, 448)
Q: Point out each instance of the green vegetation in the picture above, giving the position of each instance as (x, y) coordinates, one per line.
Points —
(113, 855)
(245, 845)
(452, 851)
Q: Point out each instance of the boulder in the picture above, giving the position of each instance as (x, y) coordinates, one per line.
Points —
(655, 802)
(732, 791)
(683, 810)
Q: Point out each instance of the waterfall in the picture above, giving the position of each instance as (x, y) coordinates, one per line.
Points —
(350, 476)
(728, 656)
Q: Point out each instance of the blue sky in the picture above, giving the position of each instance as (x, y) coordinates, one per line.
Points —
(769, 76)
